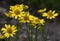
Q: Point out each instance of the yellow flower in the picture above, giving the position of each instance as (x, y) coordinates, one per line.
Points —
(42, 21)
(50, 14)
(17, 6)
(9, 30)
(1, 36)
(38, 21)
(26, 17)
(15, 14)
(15, 11)
(42, 10)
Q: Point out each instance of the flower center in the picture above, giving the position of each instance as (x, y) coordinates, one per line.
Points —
(50, 14)
(37, 20)
(17, 12)
(26, 18)
(9, 30)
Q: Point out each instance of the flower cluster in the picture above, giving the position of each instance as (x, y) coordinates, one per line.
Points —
(18, 12)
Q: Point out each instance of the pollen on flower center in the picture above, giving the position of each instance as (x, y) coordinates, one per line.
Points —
(17, 12)
(9, 30)
(26, 18)
(50, 14)
(37, 20)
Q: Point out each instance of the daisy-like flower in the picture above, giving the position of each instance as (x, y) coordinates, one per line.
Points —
(15, 14)
(9, 30)
(50, 14)
(38, 21)
(2, 36)
(42, 10)
(15, 11)
(17, 6)
(26, 17)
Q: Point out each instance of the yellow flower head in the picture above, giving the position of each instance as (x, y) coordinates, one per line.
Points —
(17, 6)
(42, 10)
(38, 21)
(15, 14)
(50, 14)
(26, 17)
(15, 11)
(1, 36)
(9, 30)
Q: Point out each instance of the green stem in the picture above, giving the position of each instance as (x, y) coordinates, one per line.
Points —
(19, 25)
(31, 39)
(28, 29)
(45, 34)
(36, 34)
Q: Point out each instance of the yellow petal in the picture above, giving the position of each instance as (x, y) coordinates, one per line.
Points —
(56, 14)
(6, 35)
(3, 29)
(11, 35)
(42, 10)
(44, 14)
(53, 11)
(5, 25)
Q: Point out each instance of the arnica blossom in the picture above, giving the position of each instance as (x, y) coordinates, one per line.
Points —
(17, 6)
(16, 11)
(37, 22)
(42, 10)
(26, 17)
(16, 14)
(9, 30)
(50, 14)
(2, 36)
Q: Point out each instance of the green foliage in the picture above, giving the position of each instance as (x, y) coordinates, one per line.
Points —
(50, 4)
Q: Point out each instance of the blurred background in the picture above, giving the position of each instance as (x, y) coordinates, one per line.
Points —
(34, 5)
